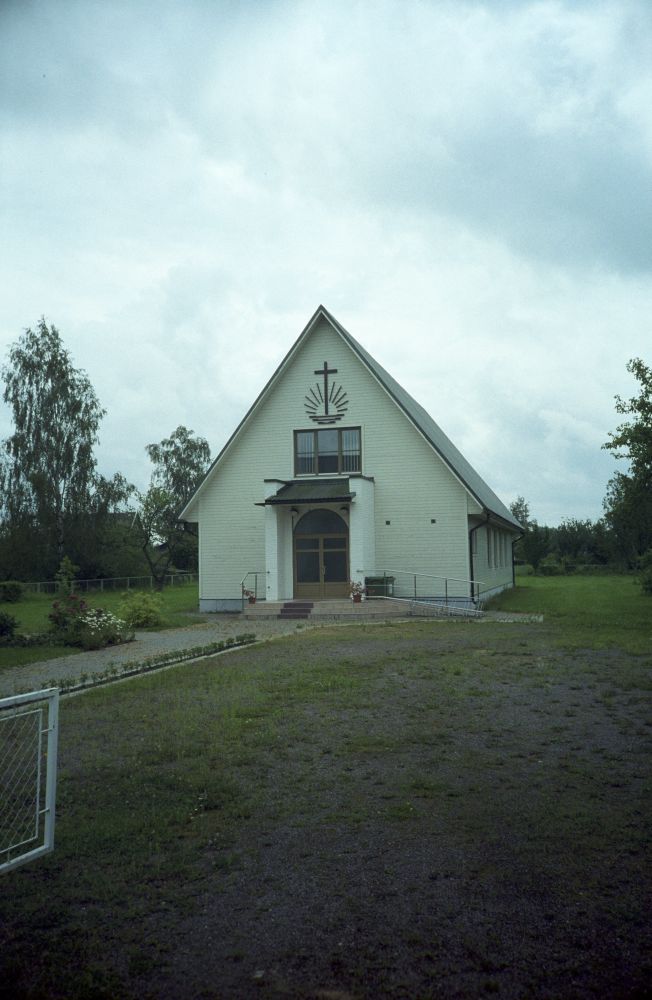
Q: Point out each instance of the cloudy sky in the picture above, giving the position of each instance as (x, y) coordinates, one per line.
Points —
(466, 186)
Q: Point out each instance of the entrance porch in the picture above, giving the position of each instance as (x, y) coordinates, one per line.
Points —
(319, 534)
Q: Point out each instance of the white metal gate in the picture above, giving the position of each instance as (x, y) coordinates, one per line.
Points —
(28, 773)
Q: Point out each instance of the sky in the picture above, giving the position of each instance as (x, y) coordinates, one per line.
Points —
(466, 186)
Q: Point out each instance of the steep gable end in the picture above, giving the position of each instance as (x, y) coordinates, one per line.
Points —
(414, 412)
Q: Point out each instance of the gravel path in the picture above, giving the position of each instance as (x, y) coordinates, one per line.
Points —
(47, 673)
(33, 676)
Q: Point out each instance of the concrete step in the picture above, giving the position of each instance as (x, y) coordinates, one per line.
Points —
(327, 610)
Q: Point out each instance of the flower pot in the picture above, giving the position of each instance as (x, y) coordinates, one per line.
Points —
(252, 600)
(357, 598)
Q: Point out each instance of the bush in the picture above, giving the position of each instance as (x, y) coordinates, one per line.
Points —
(7, 625)
(74, 623)
(98, 628)
(140, 609)
(11, 591)
(65, 619)
(645, 571)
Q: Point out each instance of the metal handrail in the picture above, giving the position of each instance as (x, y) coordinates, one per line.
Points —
(474, 585)
(255, 573)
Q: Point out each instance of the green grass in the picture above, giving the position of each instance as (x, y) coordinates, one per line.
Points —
(180, 605)
(594, 611)
(475, 755)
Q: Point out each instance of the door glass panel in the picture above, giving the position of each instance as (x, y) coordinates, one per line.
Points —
(335, 567)
(307, 543)
(307, 567)
(320, 522)
(334, 543)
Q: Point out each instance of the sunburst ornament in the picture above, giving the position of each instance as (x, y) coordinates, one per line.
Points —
(326, 402)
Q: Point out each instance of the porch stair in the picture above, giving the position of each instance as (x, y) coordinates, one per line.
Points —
(295, 609)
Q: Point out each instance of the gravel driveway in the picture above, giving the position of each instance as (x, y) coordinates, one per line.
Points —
(33, 676)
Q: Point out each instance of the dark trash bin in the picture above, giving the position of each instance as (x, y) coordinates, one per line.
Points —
(379, 586)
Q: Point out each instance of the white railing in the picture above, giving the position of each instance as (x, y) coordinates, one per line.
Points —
(29, 726)
(404, 583)
(111, 583)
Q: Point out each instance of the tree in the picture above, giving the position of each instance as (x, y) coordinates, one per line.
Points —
(633, 440)
(180, 463)
(520, 508)
(48, 471)
(628, 513)
(536, 545)
(628, 502)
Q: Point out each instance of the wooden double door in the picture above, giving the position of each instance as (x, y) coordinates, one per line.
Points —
(321, 556)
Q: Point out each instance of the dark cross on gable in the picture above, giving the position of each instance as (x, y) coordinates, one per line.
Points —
(326, 371)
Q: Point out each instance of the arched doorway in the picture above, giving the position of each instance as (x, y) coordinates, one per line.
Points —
(321, 556)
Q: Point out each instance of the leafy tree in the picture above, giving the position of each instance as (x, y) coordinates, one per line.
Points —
(48, 470)
(520, 508)
(633, 440)
(536, 545)
(180, 463)
(628, 513)
(628, 503)
(581, 541)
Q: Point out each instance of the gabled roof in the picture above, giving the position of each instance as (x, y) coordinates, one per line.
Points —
(423, 422)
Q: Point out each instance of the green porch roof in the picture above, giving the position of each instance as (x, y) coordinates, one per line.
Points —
(313, 491)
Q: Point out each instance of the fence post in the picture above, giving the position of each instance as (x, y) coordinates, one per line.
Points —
(446, 590)
(415, 586)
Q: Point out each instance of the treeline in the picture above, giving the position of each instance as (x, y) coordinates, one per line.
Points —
(573, 546)
(55, 506)
(622, 539)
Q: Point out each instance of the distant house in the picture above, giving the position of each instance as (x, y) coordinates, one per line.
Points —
(337, 474)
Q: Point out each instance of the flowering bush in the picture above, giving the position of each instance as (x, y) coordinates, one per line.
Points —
(98, 628)
(74, 623)
(356, 589)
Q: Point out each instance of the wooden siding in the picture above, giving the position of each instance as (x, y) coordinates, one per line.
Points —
(412, 486)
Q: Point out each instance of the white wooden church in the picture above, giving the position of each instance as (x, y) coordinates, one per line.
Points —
(335, 475)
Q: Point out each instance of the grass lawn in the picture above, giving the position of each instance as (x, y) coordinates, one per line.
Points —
(179, 604)
(406, 810)
(599, 610)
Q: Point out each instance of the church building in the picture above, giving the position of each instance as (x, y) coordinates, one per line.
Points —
(336, 474)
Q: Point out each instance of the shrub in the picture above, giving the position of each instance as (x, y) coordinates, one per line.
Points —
(98, 628)
(74, 623)
(65, 618)
(11, 591)
(140, 609)
(7, 625)
(65, 576)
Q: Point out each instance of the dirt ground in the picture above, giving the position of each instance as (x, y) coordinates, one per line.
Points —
(501, 871)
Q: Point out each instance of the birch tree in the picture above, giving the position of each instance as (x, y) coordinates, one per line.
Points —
(48, 469)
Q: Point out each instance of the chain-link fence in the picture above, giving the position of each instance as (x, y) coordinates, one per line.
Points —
(28, 768)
